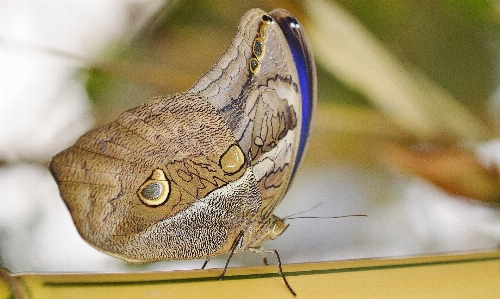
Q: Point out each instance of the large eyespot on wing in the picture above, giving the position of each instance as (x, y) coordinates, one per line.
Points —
(155, 191)
(152, 163)
(306, 70)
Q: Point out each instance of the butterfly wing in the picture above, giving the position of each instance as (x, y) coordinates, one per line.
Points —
(264, 87)
(185, 176)
(137, 188)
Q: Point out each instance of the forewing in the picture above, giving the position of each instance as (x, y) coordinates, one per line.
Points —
(264, 87)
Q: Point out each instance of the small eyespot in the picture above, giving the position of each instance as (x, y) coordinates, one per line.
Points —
(258, 48)
(254, 65)
(155, 190)
(267, 18)
(232, 160)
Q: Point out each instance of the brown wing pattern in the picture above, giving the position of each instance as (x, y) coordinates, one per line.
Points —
(262, 108)
(99, 176)
(189, 175)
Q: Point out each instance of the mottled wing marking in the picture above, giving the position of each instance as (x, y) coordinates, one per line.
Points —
(201, 230)
(262, 108)
(99, 176)
(273, 116)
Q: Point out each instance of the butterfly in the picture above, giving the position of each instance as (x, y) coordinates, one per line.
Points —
(199, 173)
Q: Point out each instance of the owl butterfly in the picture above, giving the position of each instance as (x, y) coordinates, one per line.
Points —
(199, 173)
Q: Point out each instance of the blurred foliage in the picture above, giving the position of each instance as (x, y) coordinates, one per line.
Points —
(454, 42)
(391, 74)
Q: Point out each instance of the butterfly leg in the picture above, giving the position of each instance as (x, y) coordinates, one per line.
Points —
(205, 263)
(280, 272)
(236, 244)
